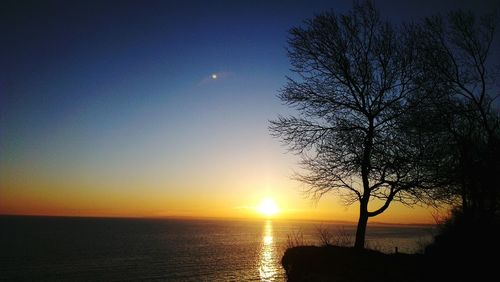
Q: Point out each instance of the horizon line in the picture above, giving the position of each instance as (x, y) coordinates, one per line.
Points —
(181, 217)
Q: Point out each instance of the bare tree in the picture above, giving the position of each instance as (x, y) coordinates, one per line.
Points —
(455, 56)
(354, 76)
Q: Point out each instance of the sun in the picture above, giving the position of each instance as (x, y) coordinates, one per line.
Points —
(268, 207)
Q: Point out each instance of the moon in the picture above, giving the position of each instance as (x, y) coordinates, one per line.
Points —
(214, 76)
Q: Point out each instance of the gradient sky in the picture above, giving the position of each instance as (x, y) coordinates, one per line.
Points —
(107, 107)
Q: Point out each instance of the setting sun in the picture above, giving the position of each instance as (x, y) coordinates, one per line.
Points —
(268, 207)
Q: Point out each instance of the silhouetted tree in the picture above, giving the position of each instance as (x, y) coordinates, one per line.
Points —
(453, 54)
(354, 78)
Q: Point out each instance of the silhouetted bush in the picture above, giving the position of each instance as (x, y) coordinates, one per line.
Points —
(467, 244)
(462, 231)
(339, 237)
(295, 239)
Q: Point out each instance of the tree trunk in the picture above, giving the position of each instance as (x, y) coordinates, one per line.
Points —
(361, 229)
(363, 203)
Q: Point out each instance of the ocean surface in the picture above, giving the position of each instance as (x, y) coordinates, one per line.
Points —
(105, 249)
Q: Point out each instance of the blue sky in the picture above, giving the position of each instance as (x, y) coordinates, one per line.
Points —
(103, 93)
(92, 67)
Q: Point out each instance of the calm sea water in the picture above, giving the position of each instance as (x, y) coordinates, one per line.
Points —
(94, 249)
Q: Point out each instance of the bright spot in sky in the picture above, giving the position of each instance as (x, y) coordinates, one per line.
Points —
(214, 76)
(268, 207)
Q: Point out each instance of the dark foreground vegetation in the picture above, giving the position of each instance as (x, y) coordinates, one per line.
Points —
(465, 249)
(398, 112)
(332, 263)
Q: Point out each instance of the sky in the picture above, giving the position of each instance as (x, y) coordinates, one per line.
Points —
(107, 108)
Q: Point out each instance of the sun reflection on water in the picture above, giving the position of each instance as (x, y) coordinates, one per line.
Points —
(267, 268)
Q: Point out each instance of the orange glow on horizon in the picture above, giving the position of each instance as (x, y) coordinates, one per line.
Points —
(237, 199)
(300, 209)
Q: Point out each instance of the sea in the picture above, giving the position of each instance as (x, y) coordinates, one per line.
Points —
(118, 249)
